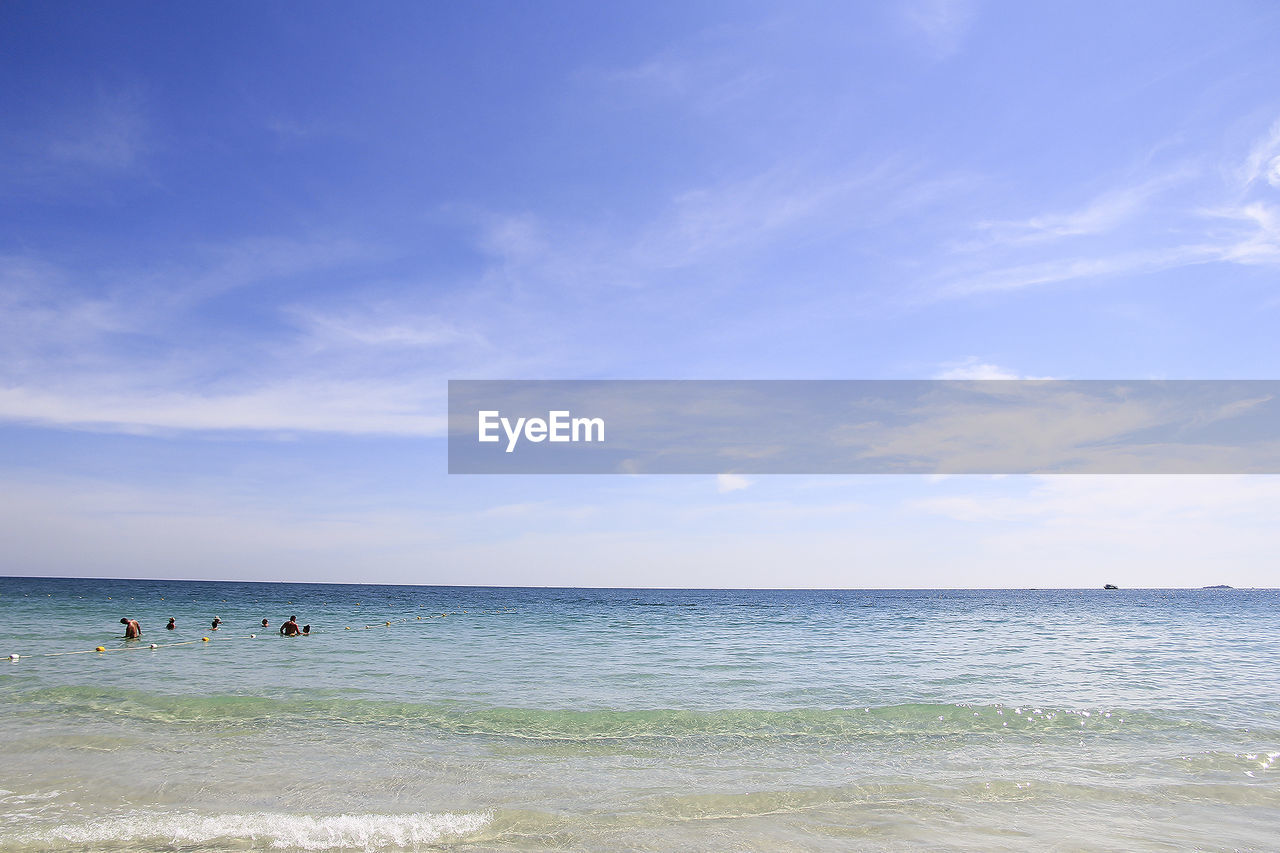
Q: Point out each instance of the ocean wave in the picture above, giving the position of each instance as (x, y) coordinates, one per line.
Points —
(276, 831)
(596, 725)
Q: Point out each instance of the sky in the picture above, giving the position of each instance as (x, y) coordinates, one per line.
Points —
(244, 246)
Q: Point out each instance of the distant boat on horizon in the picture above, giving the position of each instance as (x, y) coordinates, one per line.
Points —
(1111, 586)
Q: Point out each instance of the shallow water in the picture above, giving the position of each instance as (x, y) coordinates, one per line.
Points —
(534, 719)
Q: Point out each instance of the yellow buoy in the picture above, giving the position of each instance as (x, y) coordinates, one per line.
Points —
(204, 639)
(386, 623)
(100, 649)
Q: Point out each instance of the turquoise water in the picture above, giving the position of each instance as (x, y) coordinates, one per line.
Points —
(569, 719)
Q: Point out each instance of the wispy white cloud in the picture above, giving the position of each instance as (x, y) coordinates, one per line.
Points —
(974, 368)
(75, 145)
(382, 325)
(1179, 218)
(111, 132)
(940, 25)
(704, 73)
(726, 483)
(1077, 268)
(48, 300)
(1263, 162)
(115, 350)
(706, 226)
(704, 82)
(354, 406)
(1112, 502)
(1105, 212)
(1256, 240)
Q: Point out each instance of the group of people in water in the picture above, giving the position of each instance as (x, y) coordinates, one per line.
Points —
(133, 631)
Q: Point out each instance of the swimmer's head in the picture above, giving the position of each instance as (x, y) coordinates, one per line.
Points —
(306, 629)
(124, 620)
(293, 618)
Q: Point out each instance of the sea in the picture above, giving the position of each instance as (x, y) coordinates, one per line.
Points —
(480, 718)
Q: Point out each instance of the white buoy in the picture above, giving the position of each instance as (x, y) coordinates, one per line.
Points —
(253, 636)
(154, 646)
(14, 657)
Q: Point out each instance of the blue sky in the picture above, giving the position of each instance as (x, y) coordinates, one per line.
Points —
(243, 246)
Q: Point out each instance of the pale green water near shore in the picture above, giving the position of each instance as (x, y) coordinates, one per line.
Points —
(531, 719)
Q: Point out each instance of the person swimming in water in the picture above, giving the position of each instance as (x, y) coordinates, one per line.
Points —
(290, 628)
(266, 624)
(306, 630)
(173, 624)
(132, 630)
(216, 623)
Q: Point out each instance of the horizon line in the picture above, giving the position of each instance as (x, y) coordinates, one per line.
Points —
(653, 588)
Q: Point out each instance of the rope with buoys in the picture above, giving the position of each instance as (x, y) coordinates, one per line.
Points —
(104, 650)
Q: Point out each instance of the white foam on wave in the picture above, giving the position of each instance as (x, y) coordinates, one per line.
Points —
(279, 831)
(9, 797)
